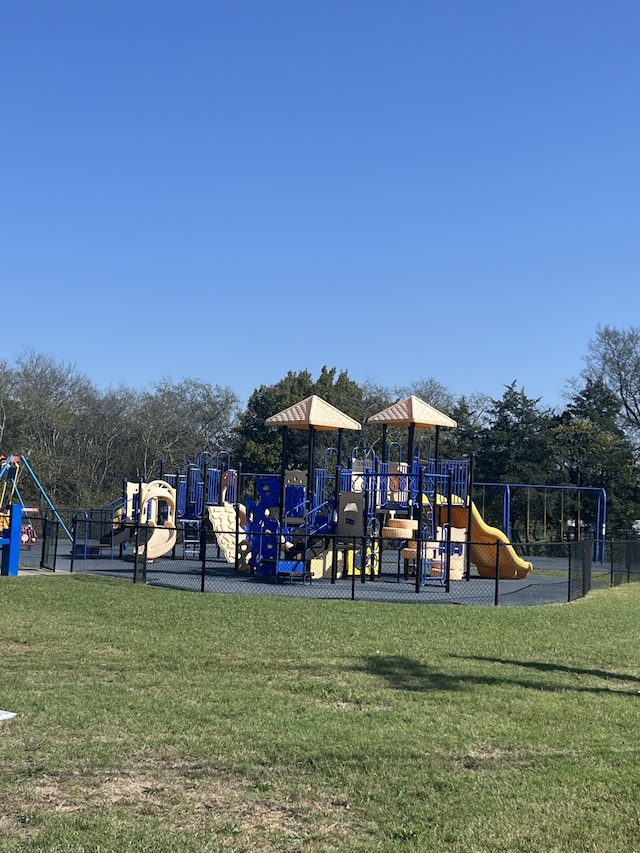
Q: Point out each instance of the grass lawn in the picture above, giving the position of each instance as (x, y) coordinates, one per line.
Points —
(155, 720)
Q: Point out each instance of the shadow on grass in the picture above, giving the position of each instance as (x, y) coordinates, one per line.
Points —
(556, 667)
(405, 673)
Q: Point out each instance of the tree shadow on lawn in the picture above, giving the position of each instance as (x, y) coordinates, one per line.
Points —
(540, 666)
(405, 673)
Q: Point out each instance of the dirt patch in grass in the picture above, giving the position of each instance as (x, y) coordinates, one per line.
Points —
(184, 797)
(483, 760)
(19, 647)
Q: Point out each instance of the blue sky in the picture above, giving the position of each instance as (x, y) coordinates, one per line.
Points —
(231, 189)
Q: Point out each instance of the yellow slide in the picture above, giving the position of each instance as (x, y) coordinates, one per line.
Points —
(483, 547)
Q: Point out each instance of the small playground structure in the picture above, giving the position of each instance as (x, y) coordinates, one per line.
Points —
(17, 527)
(143, 518)
(164, 516)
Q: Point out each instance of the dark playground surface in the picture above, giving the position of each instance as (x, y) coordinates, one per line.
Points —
(548, 583)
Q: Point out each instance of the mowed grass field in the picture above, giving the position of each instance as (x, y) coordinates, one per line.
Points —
(155, 720)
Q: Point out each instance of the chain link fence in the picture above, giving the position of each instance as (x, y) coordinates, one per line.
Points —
(356, 569)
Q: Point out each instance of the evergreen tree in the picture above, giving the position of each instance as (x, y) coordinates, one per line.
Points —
(514, 447)
(260, 447)
(470, 413)
(592, 449)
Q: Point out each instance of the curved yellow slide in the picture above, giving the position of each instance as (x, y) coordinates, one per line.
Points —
(483, 547)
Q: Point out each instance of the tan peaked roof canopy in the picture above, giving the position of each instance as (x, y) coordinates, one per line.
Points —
(414, 411)
(313, 412)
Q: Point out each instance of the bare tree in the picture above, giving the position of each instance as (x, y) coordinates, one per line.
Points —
(7, 383)
(176, 421)
(49, 397)
(614, 358)
(431, 391)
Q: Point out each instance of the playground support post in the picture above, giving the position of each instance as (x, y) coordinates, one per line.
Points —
(236, 507)
(420, 539)
(336, 502)
(339, 448)
(202, 543)
(11, 543)
(383, 451)
(447, 566)
(506, 509)
(467, 550)
(412, 433)
(311, 467)
(283, 468)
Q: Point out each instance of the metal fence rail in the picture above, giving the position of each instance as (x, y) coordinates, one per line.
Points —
(360, 569)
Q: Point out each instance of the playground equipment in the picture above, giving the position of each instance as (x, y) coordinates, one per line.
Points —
(334, 520)
(560, 509)
(146, 512)
(229, 524)
(11, 468)
(10, 542)
(157, 517)
(491, 549)
(295, 511)
(209, 481)
(322, 521)
(313, 523)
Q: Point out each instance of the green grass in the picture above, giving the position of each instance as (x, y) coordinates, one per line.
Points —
(153, 720)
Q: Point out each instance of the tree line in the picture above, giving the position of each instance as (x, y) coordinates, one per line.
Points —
(82, 441)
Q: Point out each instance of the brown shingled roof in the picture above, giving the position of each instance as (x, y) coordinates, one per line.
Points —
(412, 410)
(313, 412)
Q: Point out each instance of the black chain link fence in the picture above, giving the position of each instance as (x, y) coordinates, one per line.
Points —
(360, 569)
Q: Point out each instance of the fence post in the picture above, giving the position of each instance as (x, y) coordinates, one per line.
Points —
(55, 526)
(611, 562)
(203, 554)
(74, 539)
(497, 584)
(136, 546)
(447, 565)
(202, 544)
(50, 530)
(353, 572)
(419, 545)
(586, 568)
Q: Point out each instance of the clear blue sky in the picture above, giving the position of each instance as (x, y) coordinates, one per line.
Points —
(230, 189)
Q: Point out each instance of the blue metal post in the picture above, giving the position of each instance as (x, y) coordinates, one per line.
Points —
(11, 543)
